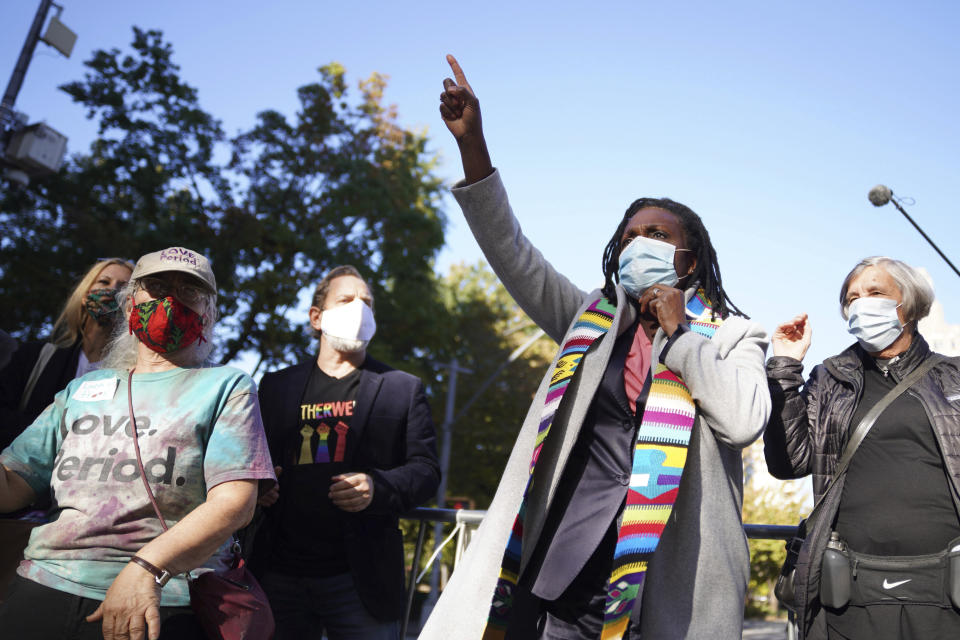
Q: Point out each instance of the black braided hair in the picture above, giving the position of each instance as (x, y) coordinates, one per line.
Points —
(707, 272)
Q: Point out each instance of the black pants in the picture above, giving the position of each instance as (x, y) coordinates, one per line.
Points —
(578, 613)
(38, 612)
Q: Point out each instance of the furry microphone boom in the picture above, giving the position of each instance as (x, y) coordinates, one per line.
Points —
(880, 195)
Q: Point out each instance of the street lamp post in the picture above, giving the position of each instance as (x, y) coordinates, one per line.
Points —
(38, 149)
(446, 430)
(7, 117)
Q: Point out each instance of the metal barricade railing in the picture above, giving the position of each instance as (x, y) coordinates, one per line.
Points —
(466, 520)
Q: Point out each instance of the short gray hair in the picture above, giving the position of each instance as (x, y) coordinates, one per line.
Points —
(915, 291)
(121, 350)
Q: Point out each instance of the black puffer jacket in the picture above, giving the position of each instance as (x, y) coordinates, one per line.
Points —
(808, 431)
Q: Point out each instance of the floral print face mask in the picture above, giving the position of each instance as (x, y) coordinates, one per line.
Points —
(101, 304)
(166, 325)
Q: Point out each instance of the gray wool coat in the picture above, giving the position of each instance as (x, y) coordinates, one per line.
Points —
(697, 579)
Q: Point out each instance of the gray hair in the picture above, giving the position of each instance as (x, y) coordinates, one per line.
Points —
(915, 291)
(121, 350)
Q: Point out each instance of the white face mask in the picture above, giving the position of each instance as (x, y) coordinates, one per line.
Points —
(351, 322)
(646, 262)
(874, 322)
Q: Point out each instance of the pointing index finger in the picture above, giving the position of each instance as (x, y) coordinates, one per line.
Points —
(458, 72)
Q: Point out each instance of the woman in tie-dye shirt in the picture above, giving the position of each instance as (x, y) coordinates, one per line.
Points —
(104, 563)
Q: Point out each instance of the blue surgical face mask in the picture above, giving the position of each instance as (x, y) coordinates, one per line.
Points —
(874, 322)
(646, 262)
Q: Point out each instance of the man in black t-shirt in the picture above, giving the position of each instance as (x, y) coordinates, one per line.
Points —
(355, 447)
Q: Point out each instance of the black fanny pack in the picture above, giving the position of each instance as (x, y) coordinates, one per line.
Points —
(848, 577)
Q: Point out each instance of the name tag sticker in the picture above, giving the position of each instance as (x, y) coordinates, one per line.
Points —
(96, 390)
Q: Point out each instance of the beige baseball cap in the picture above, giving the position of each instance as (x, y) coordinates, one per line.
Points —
(176, 259)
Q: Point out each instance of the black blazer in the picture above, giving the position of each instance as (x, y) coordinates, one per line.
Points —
(396, 447)
(60, 370)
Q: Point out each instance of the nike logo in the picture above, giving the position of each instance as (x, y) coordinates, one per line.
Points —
(891, 585)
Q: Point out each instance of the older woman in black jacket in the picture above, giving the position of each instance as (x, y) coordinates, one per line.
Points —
(899, 495)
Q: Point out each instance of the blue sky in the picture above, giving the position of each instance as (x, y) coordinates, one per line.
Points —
(772, 120)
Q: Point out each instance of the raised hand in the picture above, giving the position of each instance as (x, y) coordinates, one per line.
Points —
(459, 106)
(793, 338)
(460, 111)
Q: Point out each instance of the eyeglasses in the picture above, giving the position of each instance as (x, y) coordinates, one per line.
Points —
(160, 288)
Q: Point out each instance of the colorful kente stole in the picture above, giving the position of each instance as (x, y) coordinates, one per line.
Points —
(592, 324)
(658, 460)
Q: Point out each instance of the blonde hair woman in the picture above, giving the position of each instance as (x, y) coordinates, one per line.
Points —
(38, 370)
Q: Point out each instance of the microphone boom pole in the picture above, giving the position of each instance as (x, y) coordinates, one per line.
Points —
(880, 195)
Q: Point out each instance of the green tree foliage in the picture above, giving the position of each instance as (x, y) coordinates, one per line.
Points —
(135, 190)
(340, 182)
(338, 185)
(488, 326)
(482, 327)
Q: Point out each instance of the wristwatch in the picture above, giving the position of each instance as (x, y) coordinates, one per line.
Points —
(161, 576)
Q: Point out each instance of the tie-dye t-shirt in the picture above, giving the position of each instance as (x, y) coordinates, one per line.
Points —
(197, 428)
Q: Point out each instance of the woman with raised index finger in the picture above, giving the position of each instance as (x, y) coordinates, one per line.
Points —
(618, 514)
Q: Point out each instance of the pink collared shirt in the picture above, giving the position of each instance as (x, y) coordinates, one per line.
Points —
(637, 366)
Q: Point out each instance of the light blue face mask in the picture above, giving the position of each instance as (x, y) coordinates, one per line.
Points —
(874, 322)
(646, 262)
